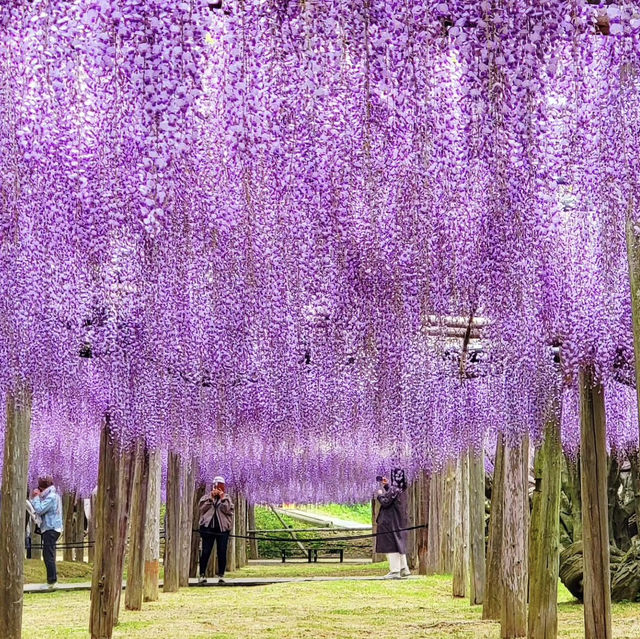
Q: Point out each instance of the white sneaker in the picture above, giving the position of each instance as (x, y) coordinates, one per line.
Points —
(221, 580)
(392, 575)
(52, 586)
(202, 581)
(404, 573)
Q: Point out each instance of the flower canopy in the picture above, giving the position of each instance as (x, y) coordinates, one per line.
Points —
(227, 227)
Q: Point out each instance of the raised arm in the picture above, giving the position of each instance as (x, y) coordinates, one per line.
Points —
(387, 497)
(226, 506)
(42, 506)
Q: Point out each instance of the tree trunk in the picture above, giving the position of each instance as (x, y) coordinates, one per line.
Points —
(515, 537)
(231, 548)
(412, 538)
(595, 531)
(476, 526)
(172, 528)
(152, 519)
(375, 509)
(78, 537)
(36, 542)
(544, 540)
(434, 531)
(492, 606)
(137, 540)
(461, 528)
(105, 584)
(68, 536)
(251, 522)
(195, 537)
(186, 522)
(12, 513)
(634, 460)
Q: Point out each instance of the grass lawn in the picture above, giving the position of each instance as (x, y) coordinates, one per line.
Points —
(360, 513)
(421, 607)
(68, 572)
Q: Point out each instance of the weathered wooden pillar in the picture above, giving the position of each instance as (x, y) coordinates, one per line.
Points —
(68, 534)
(448, 519)
(412, 537)
(461, 528)
(240, 525)
(477, 565)
(515, 539)
(195, 537)
(78, 537)
(492, 606)
(573, 476)
(186, 522)
(231, 548)
(251, 523)
(138, 531)
(423, 520)
(105, 585)
(375, 509)
(12, 514)
(435, 529)
(91, 528)
(152, 519)
(36, 543)
(172, 528)
(544, 536)
(126, 466)
(595, 531)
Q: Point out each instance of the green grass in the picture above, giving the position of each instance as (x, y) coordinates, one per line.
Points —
(360, 513)
(415, 608)
(68, 572)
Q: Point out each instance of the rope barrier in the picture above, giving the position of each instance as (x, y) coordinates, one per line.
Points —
(259, 537)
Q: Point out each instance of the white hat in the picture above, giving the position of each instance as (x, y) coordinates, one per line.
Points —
(218, 480)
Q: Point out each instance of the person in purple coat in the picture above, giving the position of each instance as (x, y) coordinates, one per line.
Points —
(391, 520)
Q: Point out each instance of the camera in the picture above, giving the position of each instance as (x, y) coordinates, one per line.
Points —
(379, 478)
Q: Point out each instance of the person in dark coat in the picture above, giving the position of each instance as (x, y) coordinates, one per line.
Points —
(392, 518)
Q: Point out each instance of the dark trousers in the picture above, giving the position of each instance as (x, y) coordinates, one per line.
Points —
(221, 539)
(49, 539)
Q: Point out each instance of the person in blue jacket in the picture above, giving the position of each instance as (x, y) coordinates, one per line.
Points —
(48, 507)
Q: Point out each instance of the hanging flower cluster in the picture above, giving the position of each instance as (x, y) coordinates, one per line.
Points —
(230, 229)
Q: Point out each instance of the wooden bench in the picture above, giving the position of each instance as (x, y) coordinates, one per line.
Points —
(312, 553)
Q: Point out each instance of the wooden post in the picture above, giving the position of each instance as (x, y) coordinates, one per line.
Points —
(231, 548)
(515, 537)
(68, 535)
(91, 529)
(12, 514)
(105, 584)
(595, 531)
(461, 528)
(152, 519)
(435, 529)
(251, 522)
(125, 471)
(448, 519)
(137, 540)
(423, 517)
(376, 557)
(492, 606)
(240, 526)
(195, 537)
(544, 537)
(477, 566)
(36, 542)
(78, 537)
(186, 522)
(172, 528)
(573, 474)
